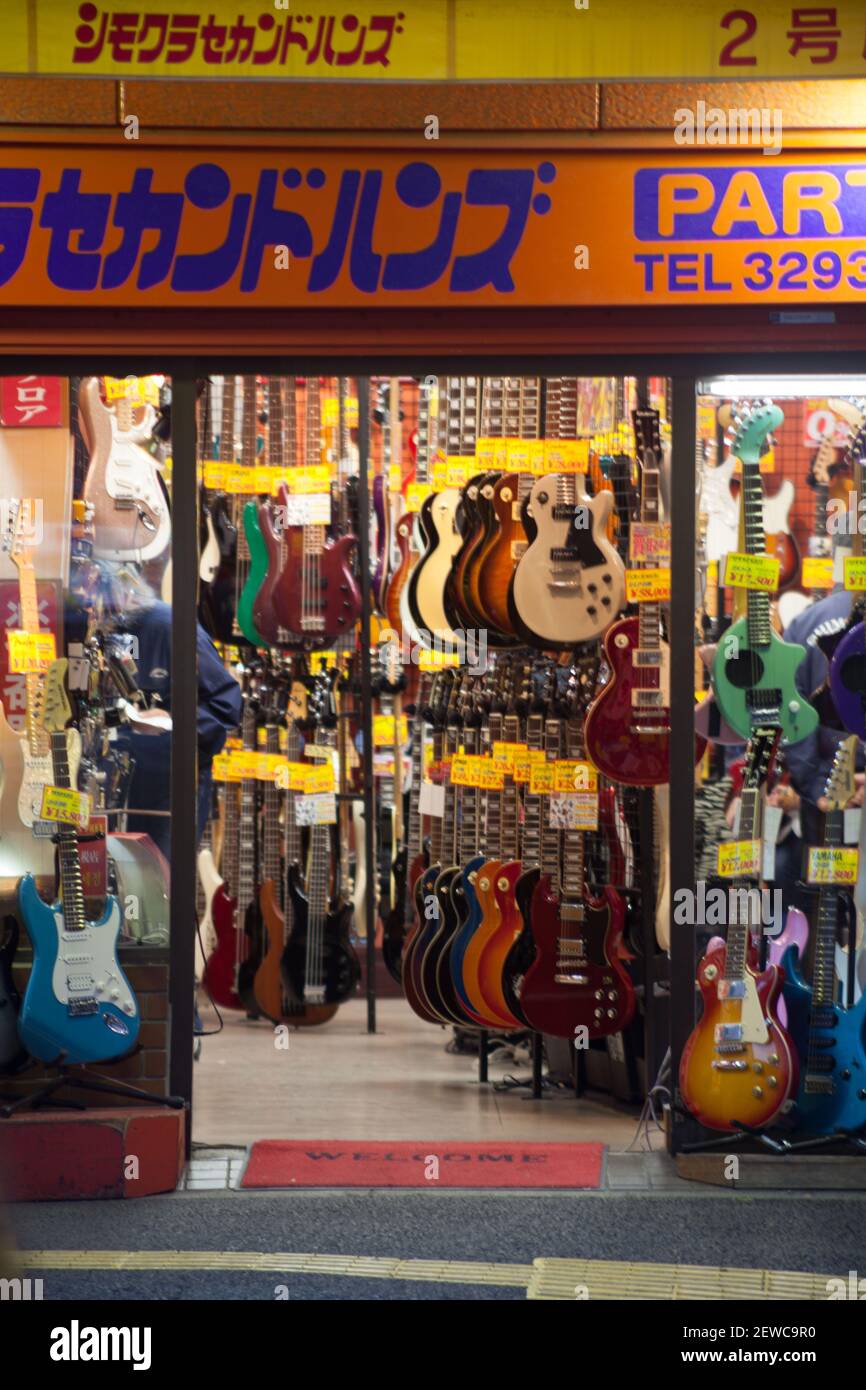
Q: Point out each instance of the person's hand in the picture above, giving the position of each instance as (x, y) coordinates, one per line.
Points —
(785, 798)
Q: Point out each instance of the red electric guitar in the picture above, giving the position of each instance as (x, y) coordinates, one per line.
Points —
(628, 725)
(316, 598)
(282, 453)
(577, 978)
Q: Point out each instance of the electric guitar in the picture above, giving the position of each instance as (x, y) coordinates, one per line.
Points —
(316, 598)
(847, 679)
(130, 508)
(276, 905)
(35, 743)
(429, 580)
(78, 1004)
(220, 978)
(830, 1039)
(739, 1066)
(258, 553)
(569, 583)
(753, 669)
(217, 595)
(576, 978)
(282, 452)
(628, 724)
(319, 967)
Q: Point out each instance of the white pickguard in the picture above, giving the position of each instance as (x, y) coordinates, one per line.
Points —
(131, 475)
(39, 773)
(210, 555)
(752, 1020)
(210, 880)
(563, 601)
(359, 887)
(430, 591)
(721, 508)
(777, 509)
(86, 964)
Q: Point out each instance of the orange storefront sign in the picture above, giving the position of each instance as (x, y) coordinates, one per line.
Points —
(308, 228)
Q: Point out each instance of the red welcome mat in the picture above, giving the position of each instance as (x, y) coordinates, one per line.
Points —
(358, 1163)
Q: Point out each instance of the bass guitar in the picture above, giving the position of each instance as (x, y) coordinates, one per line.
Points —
(320, 969)
(754, 669)
(78, 1004)
(739, 1066)
(316, 598)
(830, 1039)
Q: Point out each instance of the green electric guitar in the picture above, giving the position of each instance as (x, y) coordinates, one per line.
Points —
(753, 669)
(257, 558)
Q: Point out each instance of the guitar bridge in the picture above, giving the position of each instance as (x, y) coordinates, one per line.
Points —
(314, 994)
(77, 1008)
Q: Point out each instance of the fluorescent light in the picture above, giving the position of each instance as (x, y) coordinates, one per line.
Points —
(782, 387)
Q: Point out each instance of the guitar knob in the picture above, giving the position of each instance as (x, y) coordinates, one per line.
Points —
(611, 1013)
(542, 498)
(599, 1013)
(793, 706)
(605, 602)
(621, 640)
(591, 610)
(114, 994)
(593, 588)
(772, 1082)
(611, 994)
(607, 579)
(757, 1092)
(599, 994)
(846, 1074)
(774, 1059)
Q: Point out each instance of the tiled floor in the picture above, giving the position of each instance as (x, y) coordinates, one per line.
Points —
(338, 1082)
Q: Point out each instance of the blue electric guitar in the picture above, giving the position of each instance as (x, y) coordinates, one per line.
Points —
(753, 669)
(78, 1005)
(830, 1039)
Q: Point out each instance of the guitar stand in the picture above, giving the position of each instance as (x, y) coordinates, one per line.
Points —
(81, 1079)
(538, 1082)
(737, 1136)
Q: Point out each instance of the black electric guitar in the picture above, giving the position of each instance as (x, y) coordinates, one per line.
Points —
(12, 1055)
(319, 967)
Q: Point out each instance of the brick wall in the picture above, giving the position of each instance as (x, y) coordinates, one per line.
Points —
(147, 971)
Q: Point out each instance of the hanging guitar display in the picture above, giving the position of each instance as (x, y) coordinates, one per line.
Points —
(217, 594)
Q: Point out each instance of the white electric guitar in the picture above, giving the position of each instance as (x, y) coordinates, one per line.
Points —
(569, 584)
(35, 744)
(131, 514)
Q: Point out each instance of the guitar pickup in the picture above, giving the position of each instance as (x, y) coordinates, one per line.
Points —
(728, 1032)
(731, 989)
(646, 656)
(76, 1008)
(647, 699)
(570, 979)
(764, 701)
(818, 1085)
(79, 982)
(314, 994)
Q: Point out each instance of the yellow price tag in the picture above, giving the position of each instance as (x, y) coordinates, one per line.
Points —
(138, 390)
(263, 476)
(311, 479)
(321, 661)
(817, 572)
(319, 779)
(395, 477)
(536, 457)
(383, 730)
(739, 859)
(504, 754)
(836, 865)
(30, 651)
(516, 455)
(648, 585)
(220, 767)
(855, 572)
(484, 454)
(491, 776)
(759, 572)
(416, 494)
(459, 771)
(437, 660)
(650, 540)
(459, 469)
(542, 778)
(575, 776)
(575, 456)
(330, 410)
(66, 805)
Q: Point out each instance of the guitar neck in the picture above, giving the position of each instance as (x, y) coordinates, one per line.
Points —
(573, 841)
(28, 598)
(550, 837)
(824, 965)
(510, 796)
(247, 822)
(71, 888)
(436, 836)
(271, 798)
(737, 942)
(758, 602)
(531, 846)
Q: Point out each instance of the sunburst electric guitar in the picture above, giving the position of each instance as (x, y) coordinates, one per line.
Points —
(739, 1066)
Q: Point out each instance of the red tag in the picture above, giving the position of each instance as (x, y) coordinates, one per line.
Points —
(31, 400)
(94, 859)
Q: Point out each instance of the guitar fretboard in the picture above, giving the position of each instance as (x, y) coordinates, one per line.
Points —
(71, 889)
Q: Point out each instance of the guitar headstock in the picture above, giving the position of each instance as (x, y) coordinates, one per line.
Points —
(56, 709)
(760, 755)
(647, 433)
(322, 703)
(19, 524)
(840, 784)
(752, 431)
